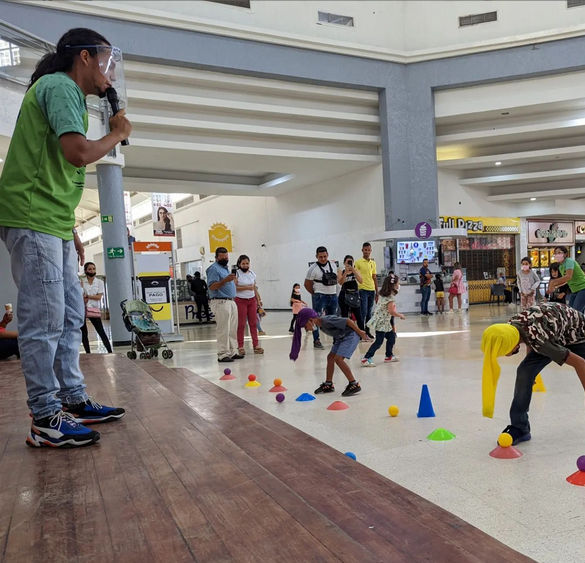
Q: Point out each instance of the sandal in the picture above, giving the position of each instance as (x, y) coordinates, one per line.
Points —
(241, 351)
(258, 350)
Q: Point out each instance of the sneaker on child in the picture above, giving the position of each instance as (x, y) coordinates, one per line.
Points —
(325, 387)
(391, 359)
(351, 389)
(368, 362)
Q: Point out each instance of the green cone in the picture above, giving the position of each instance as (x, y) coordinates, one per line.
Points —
(441, 435)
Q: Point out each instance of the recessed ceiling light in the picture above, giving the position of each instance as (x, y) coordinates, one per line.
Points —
(498, 163)
(532, 199)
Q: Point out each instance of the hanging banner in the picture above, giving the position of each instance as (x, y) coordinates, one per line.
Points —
(128, 211)
(163, 223)
(220, 235)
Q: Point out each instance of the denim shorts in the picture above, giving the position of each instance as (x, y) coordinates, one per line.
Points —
(346, 346)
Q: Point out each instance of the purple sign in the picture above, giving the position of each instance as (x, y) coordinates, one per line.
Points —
(423, 230)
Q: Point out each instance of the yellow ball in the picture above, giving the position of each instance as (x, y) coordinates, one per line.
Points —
(277, 382)
(505, 440)
(393, 410)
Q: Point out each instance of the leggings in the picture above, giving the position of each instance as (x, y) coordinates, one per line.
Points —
(99, 328)
(346, 310)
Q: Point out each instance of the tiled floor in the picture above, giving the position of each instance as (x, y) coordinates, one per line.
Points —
(525, 503)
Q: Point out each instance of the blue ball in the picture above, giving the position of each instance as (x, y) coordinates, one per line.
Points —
(351, 455)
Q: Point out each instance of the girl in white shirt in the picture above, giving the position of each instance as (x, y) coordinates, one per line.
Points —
(93, 291)
(247, 302)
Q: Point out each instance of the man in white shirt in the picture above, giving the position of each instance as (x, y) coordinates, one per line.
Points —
(321, 283)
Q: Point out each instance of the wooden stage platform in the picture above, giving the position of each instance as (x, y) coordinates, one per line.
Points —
(195, 474)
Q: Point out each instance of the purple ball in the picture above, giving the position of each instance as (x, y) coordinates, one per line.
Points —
(280, 397)
(227, 371)
(581, 463)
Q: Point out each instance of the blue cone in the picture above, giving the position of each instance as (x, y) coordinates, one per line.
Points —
(305, 397)
(351, 455)
(425, 407)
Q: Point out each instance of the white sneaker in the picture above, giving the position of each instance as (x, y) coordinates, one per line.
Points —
(368, 363)
(391, 359)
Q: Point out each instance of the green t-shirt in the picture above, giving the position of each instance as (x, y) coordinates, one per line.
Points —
(577, 282)
(39, 188)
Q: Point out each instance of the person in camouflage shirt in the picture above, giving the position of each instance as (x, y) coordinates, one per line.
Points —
(552, 332)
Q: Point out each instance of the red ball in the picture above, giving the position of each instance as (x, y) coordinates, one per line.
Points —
(251, 377)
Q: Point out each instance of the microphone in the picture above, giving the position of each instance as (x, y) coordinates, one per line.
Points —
(112, 96)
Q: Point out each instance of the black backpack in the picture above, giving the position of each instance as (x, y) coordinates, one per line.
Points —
(329, 278)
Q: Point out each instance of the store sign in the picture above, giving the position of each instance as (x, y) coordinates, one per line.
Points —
(423, 230)
(545, 233)
(580, 228)
(485, 225)
(220, 236)
(153, 246)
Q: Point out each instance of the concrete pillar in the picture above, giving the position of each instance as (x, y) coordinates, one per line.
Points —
(118, 270)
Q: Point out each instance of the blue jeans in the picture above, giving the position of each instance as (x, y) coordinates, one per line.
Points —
(577, 301)
(424, 301)
(368, 299)
(377, 344)
(323, 304)
(50, 315)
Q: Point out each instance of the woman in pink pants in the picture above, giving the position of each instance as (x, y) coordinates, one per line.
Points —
(247, 301)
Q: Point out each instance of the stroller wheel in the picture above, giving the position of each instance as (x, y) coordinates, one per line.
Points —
(142, 356)
(147, 356)
(170, 354)
(153, 353)
(165, 354)
(131, 355)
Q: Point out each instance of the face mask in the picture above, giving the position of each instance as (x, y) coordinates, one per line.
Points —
(559, 257)
(297, 290)
(525, 267)
(90, 275)
(244, 269)
(223, 263)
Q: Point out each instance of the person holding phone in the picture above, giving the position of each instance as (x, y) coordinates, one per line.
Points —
(349, 297)
(222, 292)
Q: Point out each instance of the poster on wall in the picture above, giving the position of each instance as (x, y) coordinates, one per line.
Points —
(163, 223)
(220, 236)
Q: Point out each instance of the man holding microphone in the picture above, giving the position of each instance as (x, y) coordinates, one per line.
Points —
(41, 185)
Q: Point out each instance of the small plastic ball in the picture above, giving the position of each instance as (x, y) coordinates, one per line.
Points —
(351, 455)
(280, 397)
(277, 382)
(227, 371)
(251, 377)
(505, 440)
(581, 463)
(393, 410)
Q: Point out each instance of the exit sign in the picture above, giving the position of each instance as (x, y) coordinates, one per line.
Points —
(107, 218)
(116, 252)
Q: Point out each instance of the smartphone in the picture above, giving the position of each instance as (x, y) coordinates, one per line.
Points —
(234, 270)
(350, 262)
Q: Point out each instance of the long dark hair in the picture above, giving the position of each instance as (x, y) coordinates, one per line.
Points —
(63, 58)
(87, 265)
(389, 285)
(555, 267)
(167, 221)
(292, 293)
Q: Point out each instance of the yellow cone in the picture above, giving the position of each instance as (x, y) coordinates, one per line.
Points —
(538, 386)
(252, 384)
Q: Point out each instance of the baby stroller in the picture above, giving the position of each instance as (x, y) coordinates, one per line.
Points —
(146, 334)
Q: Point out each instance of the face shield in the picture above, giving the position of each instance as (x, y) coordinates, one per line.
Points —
(111, 65)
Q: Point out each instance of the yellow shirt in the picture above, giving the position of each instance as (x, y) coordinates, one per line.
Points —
(367, 268)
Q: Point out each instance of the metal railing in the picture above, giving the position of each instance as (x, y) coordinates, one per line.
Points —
(20, 51)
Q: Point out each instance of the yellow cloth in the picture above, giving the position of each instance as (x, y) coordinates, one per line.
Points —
(367, 268)
(497, 340)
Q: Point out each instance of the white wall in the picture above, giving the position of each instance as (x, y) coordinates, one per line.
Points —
(281, 234)
(463, 201)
